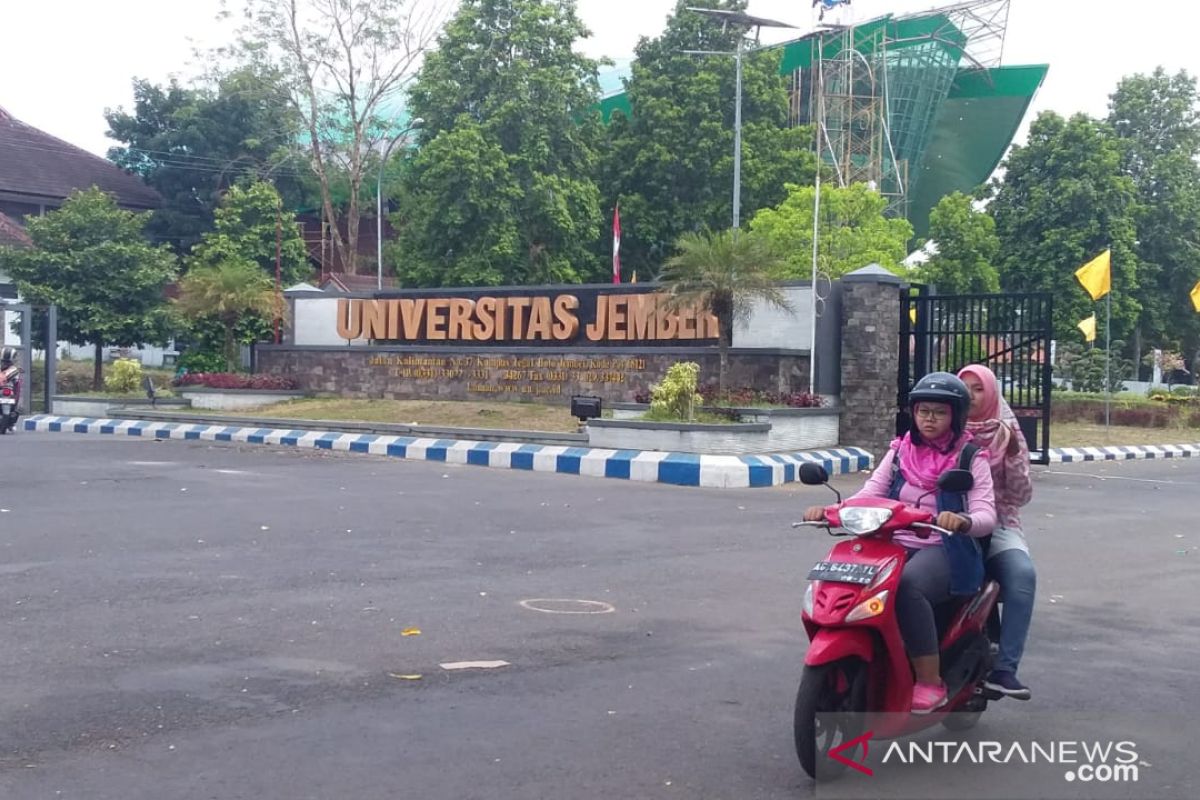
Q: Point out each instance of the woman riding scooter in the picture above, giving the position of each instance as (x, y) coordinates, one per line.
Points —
(993, 425)
(939, 567)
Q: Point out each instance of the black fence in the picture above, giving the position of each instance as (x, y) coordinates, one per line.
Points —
(1008, 333)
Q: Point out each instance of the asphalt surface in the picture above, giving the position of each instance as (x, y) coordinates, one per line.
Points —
(188, 620)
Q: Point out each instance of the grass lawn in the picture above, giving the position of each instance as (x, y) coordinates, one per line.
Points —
(1086, 434)
(437, 413)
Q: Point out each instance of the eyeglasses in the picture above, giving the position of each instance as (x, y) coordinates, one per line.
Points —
(933, 413)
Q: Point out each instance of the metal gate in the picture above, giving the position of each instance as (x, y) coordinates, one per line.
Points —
(1008, 333)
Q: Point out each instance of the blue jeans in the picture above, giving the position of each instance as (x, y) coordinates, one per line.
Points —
(1013, 570)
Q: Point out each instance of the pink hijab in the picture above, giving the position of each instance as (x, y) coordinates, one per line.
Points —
(922, 464)
(994, 425)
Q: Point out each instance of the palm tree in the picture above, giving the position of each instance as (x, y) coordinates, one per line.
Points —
(722, 273)
(229, 290)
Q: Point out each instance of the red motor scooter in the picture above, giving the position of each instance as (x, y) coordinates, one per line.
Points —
(857, 676)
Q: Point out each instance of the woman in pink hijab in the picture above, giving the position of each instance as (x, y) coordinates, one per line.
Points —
(994, 427)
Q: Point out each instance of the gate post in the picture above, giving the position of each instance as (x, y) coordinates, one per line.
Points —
(870, 338)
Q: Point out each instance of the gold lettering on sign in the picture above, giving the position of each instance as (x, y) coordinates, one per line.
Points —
(616, 319)
(622, 317)
(641, 315)
(349, 319)
(374, 320)
(434, 321)
(566, 324)
(596, 331)
(501, 318)
(485, 312)
(411, 312)
(460, 318)
(539, 319)
(518, 305)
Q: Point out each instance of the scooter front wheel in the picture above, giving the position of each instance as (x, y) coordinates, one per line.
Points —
(830, 705)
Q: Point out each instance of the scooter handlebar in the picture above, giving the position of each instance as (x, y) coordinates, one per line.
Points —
(810, 523)
(933, 527)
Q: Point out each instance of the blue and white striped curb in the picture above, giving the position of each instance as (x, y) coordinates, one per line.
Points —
(1067, 455)
(681, 469)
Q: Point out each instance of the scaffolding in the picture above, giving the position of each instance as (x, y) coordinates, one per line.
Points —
(873, 90)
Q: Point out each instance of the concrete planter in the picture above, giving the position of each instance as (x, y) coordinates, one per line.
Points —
(733, 438)
(83, 406)
(758, 430)
(236, 399)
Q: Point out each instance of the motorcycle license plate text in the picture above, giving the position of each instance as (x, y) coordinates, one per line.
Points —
(843, 572)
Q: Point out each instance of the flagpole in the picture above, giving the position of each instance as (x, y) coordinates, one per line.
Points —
(1107, 354)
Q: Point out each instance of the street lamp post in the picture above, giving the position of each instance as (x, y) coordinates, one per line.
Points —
(746, 21)
(416, 123)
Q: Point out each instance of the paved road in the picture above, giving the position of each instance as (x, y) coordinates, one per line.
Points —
(186, 620)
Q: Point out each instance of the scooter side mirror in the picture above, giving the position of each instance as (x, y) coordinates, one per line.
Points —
(813, 474)
(956, 480)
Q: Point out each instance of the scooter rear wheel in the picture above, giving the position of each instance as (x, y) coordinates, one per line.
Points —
(830, 705)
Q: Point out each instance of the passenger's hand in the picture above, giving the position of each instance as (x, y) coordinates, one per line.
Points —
(952, 522)
(814, 514)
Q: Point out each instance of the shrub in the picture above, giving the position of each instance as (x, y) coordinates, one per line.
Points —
(202, 361)
(124, 376)
(231, 380)
(675, 396)
(746, 397)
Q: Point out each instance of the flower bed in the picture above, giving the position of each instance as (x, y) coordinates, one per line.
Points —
(225, 391)
(233, 380)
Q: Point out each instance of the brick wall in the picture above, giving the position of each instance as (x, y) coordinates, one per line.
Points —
(870, 341)
(540, 374)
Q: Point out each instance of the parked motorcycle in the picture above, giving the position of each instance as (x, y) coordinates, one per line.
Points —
(10, 398)
(857, 676)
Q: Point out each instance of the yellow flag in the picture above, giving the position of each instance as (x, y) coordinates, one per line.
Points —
(1096, 275)
(1088, 326)
(1195, 295)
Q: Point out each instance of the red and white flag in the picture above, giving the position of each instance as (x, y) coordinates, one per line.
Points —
(616, 275)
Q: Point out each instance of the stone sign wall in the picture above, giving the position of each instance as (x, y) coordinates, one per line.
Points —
(535, 374)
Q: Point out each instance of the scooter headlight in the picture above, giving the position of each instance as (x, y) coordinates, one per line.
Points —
(808, 600)
(858, 519)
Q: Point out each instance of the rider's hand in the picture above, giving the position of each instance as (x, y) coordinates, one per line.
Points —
(814, 514)
(953, 522)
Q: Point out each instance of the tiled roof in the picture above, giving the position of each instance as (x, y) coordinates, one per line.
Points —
(13, 233)
(35, 163)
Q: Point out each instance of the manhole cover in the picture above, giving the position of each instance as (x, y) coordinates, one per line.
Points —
(566, 606)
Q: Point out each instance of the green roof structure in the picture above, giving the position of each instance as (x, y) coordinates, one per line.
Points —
(919, 104)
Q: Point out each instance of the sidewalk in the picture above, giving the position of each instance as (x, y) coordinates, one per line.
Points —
(680, 469)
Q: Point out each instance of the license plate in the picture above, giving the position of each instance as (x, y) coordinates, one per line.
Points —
(843, 572)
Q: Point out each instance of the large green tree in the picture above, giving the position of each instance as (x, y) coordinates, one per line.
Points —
(343, 66)
(852, 231)
(251, 225)
(1156, 118)
(192, 143)
(92, 260)
(967, 246)
(502, 189)
(1063, 200)
(670, 165)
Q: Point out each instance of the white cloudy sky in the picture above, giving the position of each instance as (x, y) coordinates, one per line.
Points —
(63, 61)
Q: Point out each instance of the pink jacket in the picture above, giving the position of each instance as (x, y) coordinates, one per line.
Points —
(981, 503)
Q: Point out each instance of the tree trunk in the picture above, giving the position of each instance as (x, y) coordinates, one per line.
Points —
(229, 348)
(724, 342)
(1137, 353)
(98, 369)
